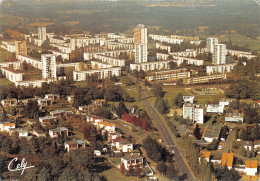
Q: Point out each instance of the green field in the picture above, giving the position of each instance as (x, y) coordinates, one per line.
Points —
(114, 174)
(4, 54)
(242, 40)
(5, 83)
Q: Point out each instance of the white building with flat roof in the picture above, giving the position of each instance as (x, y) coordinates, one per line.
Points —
(193, 112)
(41, 30)
(219, 54)
(48, 66)
(101, 73)
(210, 44)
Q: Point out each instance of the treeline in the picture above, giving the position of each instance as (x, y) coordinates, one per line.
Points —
(137, 121)
(160, 155)
(244, 90)
(50, 160)
(82, 95)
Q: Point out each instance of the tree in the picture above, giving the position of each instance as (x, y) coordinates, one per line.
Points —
(131, 169)
(138, 170)
(213, 145)
(172, 65)
(122, 168)
(121, 109)
(171, 172)
(196, 132)
(226, 174)
(175, 116)
(178, 101)
(157, 90)
(161, 167)
(25, 66)
(86, 132)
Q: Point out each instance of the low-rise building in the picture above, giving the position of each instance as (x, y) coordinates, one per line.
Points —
(58, 131)
(211, 132)
(225, 101)
(47, 120)
(59, 113)
(106, 126)
(8, 102)
(6, 126)
(99, 102)
(52, 96)
(188, 99)
(94, 119)
(215, 108)
(132, 160)
(124, 146)
(73, 145)
(251, 167)
(234, 117)
(39, 133)
(205, 155)
(227, 160)
(12, 75)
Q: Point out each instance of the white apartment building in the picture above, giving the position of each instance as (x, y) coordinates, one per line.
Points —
(204, 79)
(240, 54)
(56, 40)
(63, 55)
(110, 60)
(102, 73)
(222, 68)
(126, 40)
(85, 41)
(163, 47)
(12, 74)
(32, 83)
(114, 53)
(115, 36)
(41, 30)
(14, 65)
(64, 48)
(178, 59)
(99, 65)
(187, 53)
(48, 66)
(149, 66)
(210, 44)
(169, 75)
(11, 47)
(37, 63)
(141, 53)
(193, 112)
(219, 54)
(166, 39)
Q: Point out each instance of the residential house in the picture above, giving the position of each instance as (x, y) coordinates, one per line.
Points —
(257, 145)
(44, 102)
(31, 121)
(227, 160)
(52, 96)
(70, 98)
(132, 160)
(9, 102)
(94, 119)
(113, 136)
(73, 145)
(106, 126)
(21, 132)
(251, 167)
(59, 113)
(124, 146)
(211, 132)
(99, 102)
(39, 133)
(205, 155)
(247, 145)
(47, 120)
(58, 131)
(6, 126)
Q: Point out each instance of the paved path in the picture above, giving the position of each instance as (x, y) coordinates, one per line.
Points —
(228, 143)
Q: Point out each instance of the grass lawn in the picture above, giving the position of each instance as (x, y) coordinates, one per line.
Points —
(242, 40)
(81, 83)
(4, 54)
(5, 83)
(114, 174)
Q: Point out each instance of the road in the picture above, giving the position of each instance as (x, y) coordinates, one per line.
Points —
(161, 126)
